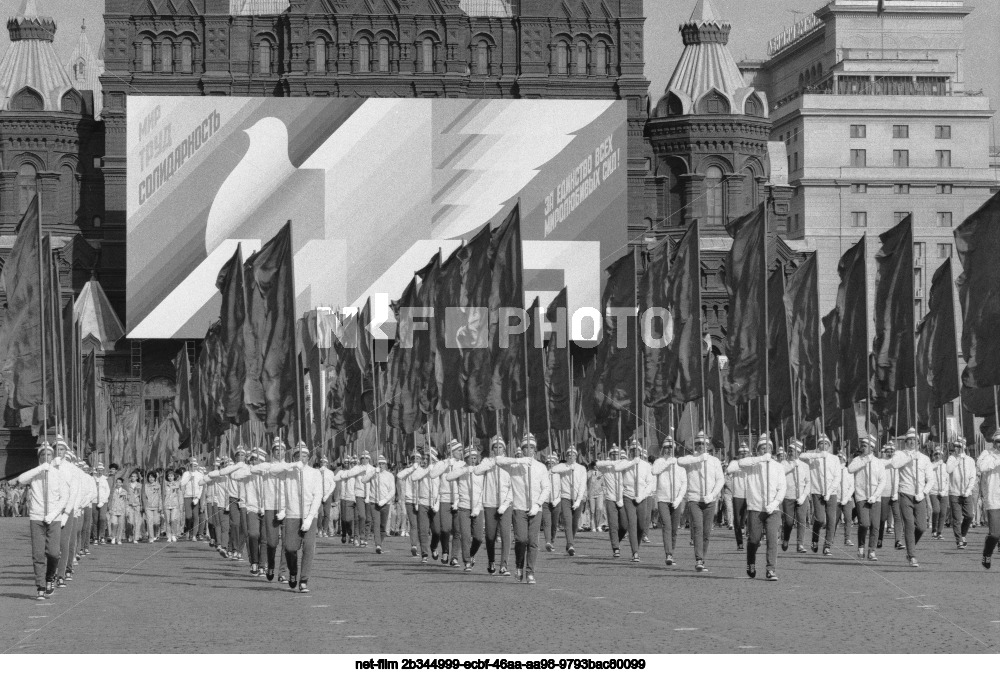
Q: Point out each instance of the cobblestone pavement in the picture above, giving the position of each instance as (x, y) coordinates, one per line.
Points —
(183, 597)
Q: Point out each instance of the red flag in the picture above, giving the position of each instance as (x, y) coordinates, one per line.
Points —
(977, 241)
(894, 310)
(506, 291)
(615, 378)
(779, 372)
(557, 365)
(182, 395)
(402, 398)
(746, 331)
(426, 340)
(852, 327)
(937, 352)
(233, 318)
(802, 312)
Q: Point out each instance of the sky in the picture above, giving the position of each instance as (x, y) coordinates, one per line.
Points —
(754, 23)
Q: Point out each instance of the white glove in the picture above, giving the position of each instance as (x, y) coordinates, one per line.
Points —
(44, 467)
(49, 519)
(533, 511)
(501, 510)
(306, 525)
(63, 518)
(281, 515)
(195, 501)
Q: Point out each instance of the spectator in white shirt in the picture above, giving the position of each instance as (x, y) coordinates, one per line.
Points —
(961, 490)
(765, 491)
(737, 480)
(572, 495)
(793, 507)
(101, 507)
(326, 475)
(989, 476)
(869, 481)
(824, 473)
(705, 481)
(530, 484)
(671, 485)
(938, 494)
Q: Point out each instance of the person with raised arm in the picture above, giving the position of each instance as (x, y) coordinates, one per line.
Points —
(497, 500)
(382, 486)
(824, 475)
(273, 487)
(765, 491)
(191, 484)
(550, 510)
(737, 481)
(530, 485)
(326, 475)
(793, 507)
(347, 504)
(988, 466)
(614, 504)
(233, 474)
(846, 506)
(48, 497)
(572, 495)
(705, 481)
(914, 480)
(426, 498)
(671, 485)
(409, 488)
(252, 496)
(65, 463)
(938, 493)
(447, 497)
(869, 481)
(890, 497)
(470, 506)
(961, 488)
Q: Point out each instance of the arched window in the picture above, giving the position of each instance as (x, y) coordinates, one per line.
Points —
(753, 107)
(80, 69)
(562, 58)
(187, 50)
(27, 186)
(714, 103)
(167, 55)
(482, 58)
(749, 190)
(364, 55)
(27, 99)
(714, 200)
(319, 54)
(600, 58)
(68, 194)
(383, 54)
(71, 102)
(97, 222)
(264, 57)
(427, 55)
(147, 54)
(581, 58)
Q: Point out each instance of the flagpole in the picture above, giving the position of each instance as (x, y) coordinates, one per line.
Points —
(913, 305)
(41, 334)
(868, 362)
(569, 363)
(701, 362)
(638, 345)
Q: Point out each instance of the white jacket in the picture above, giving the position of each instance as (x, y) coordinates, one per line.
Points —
(961, 475)
(426, 488)
(498, 493)
(470, 488)
(765, 483)
(103, 490)
(48, 493)
(824, 473)
(671, 481)
(914, 477)
(273, 483)
(326, 476)
(939, 479)
(870, 477)
(636, 477)
(796, 480)
(191, 484)
(295, 475)
(989, 473)
(530, 482)
(447, 491)
(846, 485)
(381, 485)
(739, 479)
(573, 486)
(611, 482)
(705, 478)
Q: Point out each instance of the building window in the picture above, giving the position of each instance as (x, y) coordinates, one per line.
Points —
(900, 189)
(69, 191)
(600, 58)
(859, 219)
(859, 188)
(714, 197)
(166, 56)
(147, 55)
(859, 158)
(427, 55)
(942, 133)
(27, 186)
(899, 216)
(383, 54)
(187, 50)
(562, 58)
(581, 58)
(97, 222)
(944, 220)
(364, 55)
(943, 158)
(919, 251)
(859, 131)
(901, 158)
(944, 189)
(944, 250)
(264, 57)
(482, 58)
(319, 54)
(900, 131)
(795, 225)
(796, 157)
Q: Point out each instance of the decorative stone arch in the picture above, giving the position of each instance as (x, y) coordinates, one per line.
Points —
(71, 101)
(724, 164)
(672, 105)
(559, 57)
(482, 49)
(426, 46)
(29, 158)
(364, 44)
(27, 99)
(265, 49)
(714, 102)
(754, 106)
(186, 56)
(320, 46)
(602, 54)
(68, 191)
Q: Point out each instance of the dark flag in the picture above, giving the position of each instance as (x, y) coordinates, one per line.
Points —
(274, 327)
(425, 340)
(673, 373)
(830, 348)
(253, 391)
(852, 328)
(615, 378)
(402, 398)
(536, 408)
(506, 291)
(212, 387)
(745, 281)
(22, 347)
(894, 320)
(977, 241)
(802, 311)
(344, 403)
(779, 371)
(449, 357)
(90, 434)
(721, 415)
(937, 352)
(557, 364)
(233, 318)
(182, 395)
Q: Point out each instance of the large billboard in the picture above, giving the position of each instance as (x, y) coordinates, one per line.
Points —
(373, 188)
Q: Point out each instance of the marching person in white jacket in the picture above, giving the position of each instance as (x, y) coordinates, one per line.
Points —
(326, 475)
(793, 507)
(253, 496)
(890, 498)
(427, 505)
(869, 482)
(191, 483)
(846, 507)
(303, 495)
(705, 482)
(614, 505)
(405, 477)
(961, 487)
(48, 496)
(824, 474)
(989, 475)
(347, 504)
(765, 491)
(938, 494)
(738, 484)
(572, 494)
(550, 511)
(497, 500)
(64, 462)
(470, 506)
(914, 478)
(671, 485)
(382, 486)
(637, 484)
(447, 530)
(273, 487)
(530, 484)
